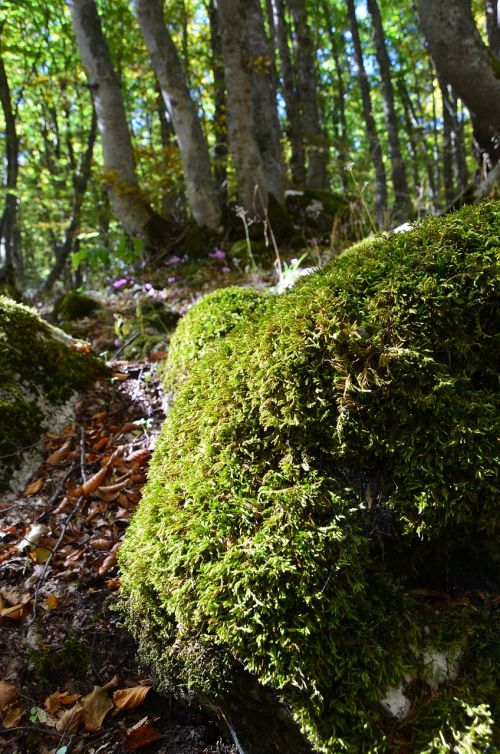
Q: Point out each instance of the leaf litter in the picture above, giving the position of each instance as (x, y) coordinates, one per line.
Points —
(69, 681)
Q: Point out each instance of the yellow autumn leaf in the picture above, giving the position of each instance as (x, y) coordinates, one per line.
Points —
(130, 698)
(96, 706)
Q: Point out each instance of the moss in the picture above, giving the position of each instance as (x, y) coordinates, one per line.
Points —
(38, 369)
(312, 469)
(209, 320)
(73, 305)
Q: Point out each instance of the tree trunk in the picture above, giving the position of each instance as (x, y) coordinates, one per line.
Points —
(310, 127)
(459, 143)
(343, 142)
(412, 143)
(448, 177)
(371, 129)
(266, 124)
(201, 192)
(128, 204)
(492, 9)
(221, 149)
(80, 183)
(402, 204)
(297, 161)
(245, 153)
(8, 235)
(464, 61)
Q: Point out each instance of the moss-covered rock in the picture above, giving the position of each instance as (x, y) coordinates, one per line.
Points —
(210, 319)
(73, 305)
(322, 506)
(40, 369)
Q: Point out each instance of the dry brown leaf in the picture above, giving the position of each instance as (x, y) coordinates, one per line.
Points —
(100, 544)
(113, 583)
(51, 601)
(16, 611)
(157, 356)
(141, 736)
(70, 721)
(119, 376)
(93, 483)
(130, 698)
(107, 564)
(34, 487)
(13, 715)
(96, 706)
(112, 684)
(55, 701)
(60, 454)
(8, 693)
(45, 718)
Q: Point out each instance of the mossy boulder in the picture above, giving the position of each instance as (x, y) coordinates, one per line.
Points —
(319, 532)
(213, 317)
(72, 306)
(40, 370)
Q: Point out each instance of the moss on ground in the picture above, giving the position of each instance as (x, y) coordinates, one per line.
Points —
(39, 370)
(320, 476)
(73, 305)
(209, 320)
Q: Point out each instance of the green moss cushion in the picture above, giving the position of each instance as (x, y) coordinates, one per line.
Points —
(39, 371)
(322, 505)
(209, 320)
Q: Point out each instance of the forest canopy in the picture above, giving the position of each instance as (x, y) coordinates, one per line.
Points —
(131, 128)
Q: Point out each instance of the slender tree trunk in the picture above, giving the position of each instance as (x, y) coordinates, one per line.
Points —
(464, 61)
(310, 127)
(266, 124)
(412, 139)
(8, 221)
(371, 128)
(492, 8)
(221, 149)
(448, 178)
(245, 153)
(297, 162)
(459, 143)
(129, 206)
(336, 37)
(201, 192)
(402, 204)
(426, 154)
(80, 183)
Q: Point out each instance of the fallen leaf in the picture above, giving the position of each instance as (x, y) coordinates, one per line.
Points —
(44, 717)
(82, 347)
(100, 544)
(107, 564)
(113, 583)
(51, 601)
(70, 720)
(112, 684)
(94, 482)
(130, 698)
(34, 487)
(157, 356)
(59, 455)
(139, 737)
(16, 611)
(13, 715)
(55, 701)
(96, 706)
(40, 554)
(119, 376)
(8, 693)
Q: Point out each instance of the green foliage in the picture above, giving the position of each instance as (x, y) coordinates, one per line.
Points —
(38, 369)
(304, 464)
(209, 320)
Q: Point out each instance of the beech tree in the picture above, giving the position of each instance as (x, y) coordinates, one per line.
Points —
(8, 220)
(465, 62)
(133, 211)
(201, 191)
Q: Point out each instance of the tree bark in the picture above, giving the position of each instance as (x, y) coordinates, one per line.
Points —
(464, 61)
(371, 128)
(265, 115)
(201, 192)
(8, 235)
(128, 204)
(492, 9)
(245, 153)
(298, 166)
(307, 90)
(402, 204)
(448, 177)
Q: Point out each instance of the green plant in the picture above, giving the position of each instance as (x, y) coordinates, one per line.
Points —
(316, 466)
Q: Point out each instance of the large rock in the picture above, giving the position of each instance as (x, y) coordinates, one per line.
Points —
(319, 533)
(40, 370)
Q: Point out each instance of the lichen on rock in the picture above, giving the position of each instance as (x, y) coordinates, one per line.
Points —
(322, 505)
(40, 370)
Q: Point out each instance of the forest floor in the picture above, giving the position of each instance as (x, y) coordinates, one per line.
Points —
(70, 682)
